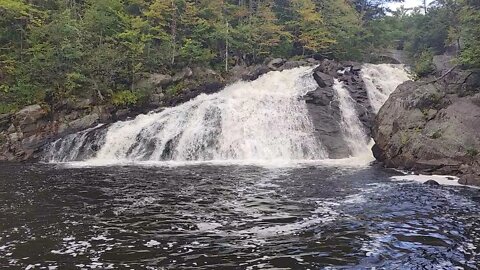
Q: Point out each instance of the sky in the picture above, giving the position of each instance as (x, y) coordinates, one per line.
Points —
(408, 3)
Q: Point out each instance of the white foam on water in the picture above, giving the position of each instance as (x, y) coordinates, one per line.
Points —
(446, 180)
(152, 243)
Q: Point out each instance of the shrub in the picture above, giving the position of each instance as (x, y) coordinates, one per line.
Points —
(404, 138)
(175, 89)
(124, 98)
(472, 152)
(7, 107)
(424, 64)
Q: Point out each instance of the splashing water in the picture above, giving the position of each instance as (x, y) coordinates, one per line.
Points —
(353, 132)
(260, 120)
(254, 122)
(381, 80)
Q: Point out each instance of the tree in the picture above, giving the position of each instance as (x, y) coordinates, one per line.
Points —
(345, 27)
(163, 16)
(15, 19)
(470, 33)
(372, 9)
(307, 27)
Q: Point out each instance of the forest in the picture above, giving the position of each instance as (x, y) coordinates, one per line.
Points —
(100, 49)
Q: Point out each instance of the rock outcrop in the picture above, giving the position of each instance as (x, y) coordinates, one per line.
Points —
(323, 104)
(433, 126)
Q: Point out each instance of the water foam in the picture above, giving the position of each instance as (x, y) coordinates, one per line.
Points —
(353, 131)
(264, 122)
(260, 120)
(381, 80)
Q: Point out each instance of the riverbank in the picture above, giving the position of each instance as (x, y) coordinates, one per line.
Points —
(432, 126)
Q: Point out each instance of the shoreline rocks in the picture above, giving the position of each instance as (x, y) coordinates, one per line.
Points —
(433, 127)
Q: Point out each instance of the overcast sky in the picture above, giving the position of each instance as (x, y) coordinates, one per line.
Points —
(408, 3)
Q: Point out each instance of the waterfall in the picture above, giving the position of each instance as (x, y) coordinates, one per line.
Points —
(77, 146)
(261, 120)
(381, 80)
(352, 129)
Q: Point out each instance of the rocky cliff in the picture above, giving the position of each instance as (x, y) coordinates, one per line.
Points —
(433, 126)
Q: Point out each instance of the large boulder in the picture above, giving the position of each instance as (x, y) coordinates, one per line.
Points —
(323, 105)
(182, 75)
(432, 127)
(29, 115)
(324, 111)
(254, 72)
(161, 80)
(274, 64)
(84, 122)
(293, 64)
(322, 79)
(348, 73)
(190, 93)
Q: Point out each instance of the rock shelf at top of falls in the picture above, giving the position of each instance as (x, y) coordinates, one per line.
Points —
(279, 116)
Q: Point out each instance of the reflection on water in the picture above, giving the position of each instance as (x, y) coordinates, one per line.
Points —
(232, 217)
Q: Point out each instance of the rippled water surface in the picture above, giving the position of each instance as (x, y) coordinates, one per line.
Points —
(232, 217)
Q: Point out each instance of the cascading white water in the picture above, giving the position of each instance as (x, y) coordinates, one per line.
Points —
(75, 146)
(263, 120)
(381, 80)
(353, 131)
(260, 120)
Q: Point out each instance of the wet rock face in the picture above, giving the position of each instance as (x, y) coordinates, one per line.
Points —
(432, 127)
(325, 114)
(323, 104)
(24, 133)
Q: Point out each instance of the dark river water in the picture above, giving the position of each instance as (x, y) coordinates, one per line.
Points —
(232, 217)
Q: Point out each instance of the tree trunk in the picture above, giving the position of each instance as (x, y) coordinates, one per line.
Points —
(174, 32)
(226, 51)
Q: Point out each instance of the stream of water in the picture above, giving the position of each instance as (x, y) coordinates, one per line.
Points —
(310, 216)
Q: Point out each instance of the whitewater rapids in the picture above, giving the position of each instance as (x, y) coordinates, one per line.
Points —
(263, 121)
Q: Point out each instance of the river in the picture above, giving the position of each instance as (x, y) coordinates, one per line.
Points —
(220, 216)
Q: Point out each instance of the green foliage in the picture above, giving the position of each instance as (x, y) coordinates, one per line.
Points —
(344, 25)
(443, 25)
(472, 152)
(124, 98)
(175, 89)
(470, 20)
(424, 64)
(193, 52)
(100, 48)
(7, 107)
(404, 138)
(437, 134)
